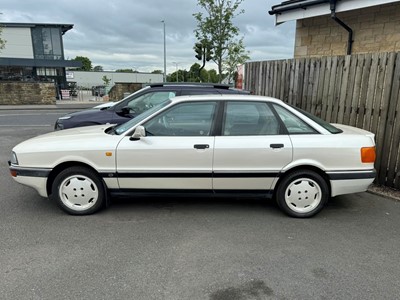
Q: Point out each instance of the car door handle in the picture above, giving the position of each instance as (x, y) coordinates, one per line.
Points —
(201, 146)
(276, 146)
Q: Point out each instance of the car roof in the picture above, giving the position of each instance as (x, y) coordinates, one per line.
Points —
(225, 97)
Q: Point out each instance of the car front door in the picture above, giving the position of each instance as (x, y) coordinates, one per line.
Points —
(251, 150)
(175, 154)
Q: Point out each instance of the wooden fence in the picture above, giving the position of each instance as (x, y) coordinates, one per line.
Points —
(357, 90)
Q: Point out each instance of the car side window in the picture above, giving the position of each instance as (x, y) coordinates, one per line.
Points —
(186, 119)
(293, 124)
(249, 118)
(148, 100)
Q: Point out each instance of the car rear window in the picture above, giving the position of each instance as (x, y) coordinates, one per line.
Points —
(326, 125)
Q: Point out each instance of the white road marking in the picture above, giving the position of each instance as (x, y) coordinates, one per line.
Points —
(26, 125)
(15, 115)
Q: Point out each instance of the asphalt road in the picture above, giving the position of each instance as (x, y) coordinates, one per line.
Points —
(217, 249)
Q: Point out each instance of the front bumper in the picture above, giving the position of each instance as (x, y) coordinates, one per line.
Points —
(33, 177)
(58, 125)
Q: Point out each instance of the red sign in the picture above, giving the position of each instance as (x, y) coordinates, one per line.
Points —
(65, 94)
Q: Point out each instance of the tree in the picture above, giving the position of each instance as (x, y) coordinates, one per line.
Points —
(126, 71)
(194, 72)
(2, 42)
(216, 27)
(98, 69)
(86, 63)
(106, 80)
(213, 76)
(177, 76)
(237, 55)
(157, 72)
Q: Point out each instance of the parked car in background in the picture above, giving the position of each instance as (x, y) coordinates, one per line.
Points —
(201, 145)
(104, 105)
(138, 103)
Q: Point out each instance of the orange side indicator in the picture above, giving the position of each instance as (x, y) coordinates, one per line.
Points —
(368, 154)
(108, 153)
(13, 173)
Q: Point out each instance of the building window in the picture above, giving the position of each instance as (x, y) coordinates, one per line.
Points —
(47, 43)
(8, 73)
(47, 72)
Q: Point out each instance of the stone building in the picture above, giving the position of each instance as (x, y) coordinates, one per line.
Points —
(32, 63)
(339, 27)
(34, 52)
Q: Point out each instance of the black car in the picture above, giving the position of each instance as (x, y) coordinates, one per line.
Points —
(139, 102)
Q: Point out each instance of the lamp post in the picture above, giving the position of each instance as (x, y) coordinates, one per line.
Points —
(165, 54)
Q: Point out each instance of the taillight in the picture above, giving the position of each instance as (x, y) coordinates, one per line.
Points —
(368, 154)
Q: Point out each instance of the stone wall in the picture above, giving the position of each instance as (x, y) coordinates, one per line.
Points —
(119, 88)
(27, 93)
(375, 29)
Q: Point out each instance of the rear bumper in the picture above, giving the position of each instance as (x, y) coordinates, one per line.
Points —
(350, 182)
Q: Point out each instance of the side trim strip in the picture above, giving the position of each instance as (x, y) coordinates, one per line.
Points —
(41, 172)
(238, 174)
(161, 175)
(352, 175)
(245, 174)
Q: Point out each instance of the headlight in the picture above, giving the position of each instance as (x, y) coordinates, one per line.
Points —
(14, 159)
(65, 118)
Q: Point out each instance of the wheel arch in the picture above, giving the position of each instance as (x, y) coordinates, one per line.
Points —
(62, 166)
(304, 167)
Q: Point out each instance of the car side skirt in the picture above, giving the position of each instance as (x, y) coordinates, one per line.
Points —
(218, 181)
(191, 193)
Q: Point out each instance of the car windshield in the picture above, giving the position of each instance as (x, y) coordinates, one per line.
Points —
(326, 125)
(120, 129)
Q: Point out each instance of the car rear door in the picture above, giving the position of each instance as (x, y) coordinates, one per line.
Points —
(251, 150)
(176, 154)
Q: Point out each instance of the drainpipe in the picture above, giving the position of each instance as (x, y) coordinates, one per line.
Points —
(341, 23)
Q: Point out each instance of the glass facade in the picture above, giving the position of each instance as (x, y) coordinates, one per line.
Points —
(16, 73)
(47, 43)
(30, 74)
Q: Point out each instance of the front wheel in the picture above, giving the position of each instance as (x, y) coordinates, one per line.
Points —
(302, 194)
(78, 191)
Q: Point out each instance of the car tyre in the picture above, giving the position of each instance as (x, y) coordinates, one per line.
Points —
(79, 191)
(302, 193)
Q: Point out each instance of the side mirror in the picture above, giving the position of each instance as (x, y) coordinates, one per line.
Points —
(138, 133)
(125, 111)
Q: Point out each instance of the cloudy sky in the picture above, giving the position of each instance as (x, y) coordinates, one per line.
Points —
(129, 34)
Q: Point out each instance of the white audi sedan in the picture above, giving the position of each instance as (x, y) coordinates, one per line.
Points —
(213, 145)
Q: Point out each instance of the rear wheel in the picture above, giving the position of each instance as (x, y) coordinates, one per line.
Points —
(78, 191)
(302, 193)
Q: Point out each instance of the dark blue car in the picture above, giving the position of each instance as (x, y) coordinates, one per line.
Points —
(139, 102)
